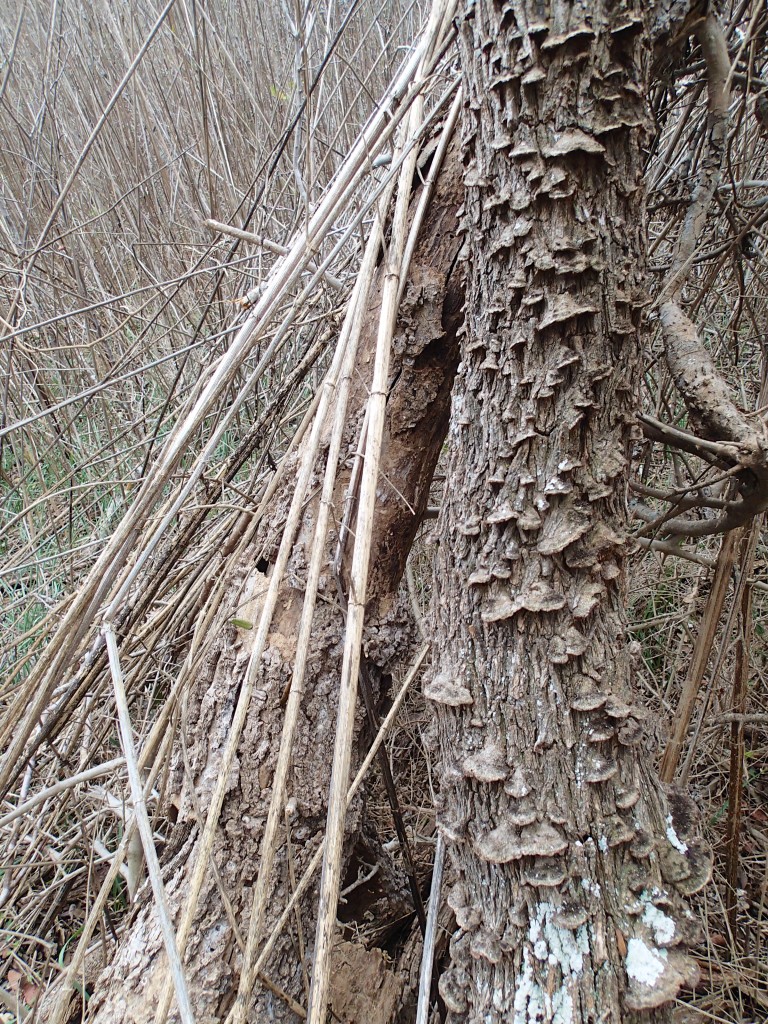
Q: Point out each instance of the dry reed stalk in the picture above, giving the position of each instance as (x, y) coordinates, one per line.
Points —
(284, 553)
(395, 271)
(60, 787)
(430, 938)
(145, 831)
(702, 649)
(349, 340)
(151, 759)
(738, 705)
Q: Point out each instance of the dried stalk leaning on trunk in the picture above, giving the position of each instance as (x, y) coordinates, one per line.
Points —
(349, 342)
(439, 22)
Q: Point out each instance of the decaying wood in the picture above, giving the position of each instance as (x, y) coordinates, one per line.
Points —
(572, 865)
(424, 360)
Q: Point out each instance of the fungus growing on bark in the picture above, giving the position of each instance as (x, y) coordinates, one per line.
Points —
(581, 32)
(618, 831)
(555, 176)
(529, 519)
(453, 988)
(517, 786)
(485, 945)
(533, 75)
(575, 642)
(683, 813)
(562, 527)
(589, 701)
(699, 858)
(630, 733)
(517, 917)
(468, 918)
(545, 874)
(586, 598)
(487, 765)
(457, 897)
(642, 845)
(599, 767)
(562, 307)
(479, 578)
(556, 812)
(626, 798)
(674, 865)
(601, 728)
(572, 141)
(541, 597)
(655, 975)
(453, 831)
(499, 607)
(570, 916)
(445, 689)
(556, 651)
(522, 816)
(542, 840)
(501, 845)
(558, 485)
(503, 513)
(616, 707)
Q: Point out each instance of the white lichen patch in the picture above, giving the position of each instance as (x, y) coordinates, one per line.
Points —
(593, 887)
(645, 965)
(553, 946)
(673, 837)
(661, 924)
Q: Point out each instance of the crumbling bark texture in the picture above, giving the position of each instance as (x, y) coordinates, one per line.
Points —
(423, 371)
(572, 865)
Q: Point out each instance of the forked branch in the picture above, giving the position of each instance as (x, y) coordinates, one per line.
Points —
(725, 436)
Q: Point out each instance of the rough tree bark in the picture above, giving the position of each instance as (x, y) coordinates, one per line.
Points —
(572, 865)
(422, 374)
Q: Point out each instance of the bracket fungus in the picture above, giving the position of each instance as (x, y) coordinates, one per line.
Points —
(599, 768)
(655, 975)
(589, 701)
(501, 845)
(570, 916)
(485, 945)
(446, 689)
(453, 987)
(517, 786)
(487, 765)
(546, 873)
